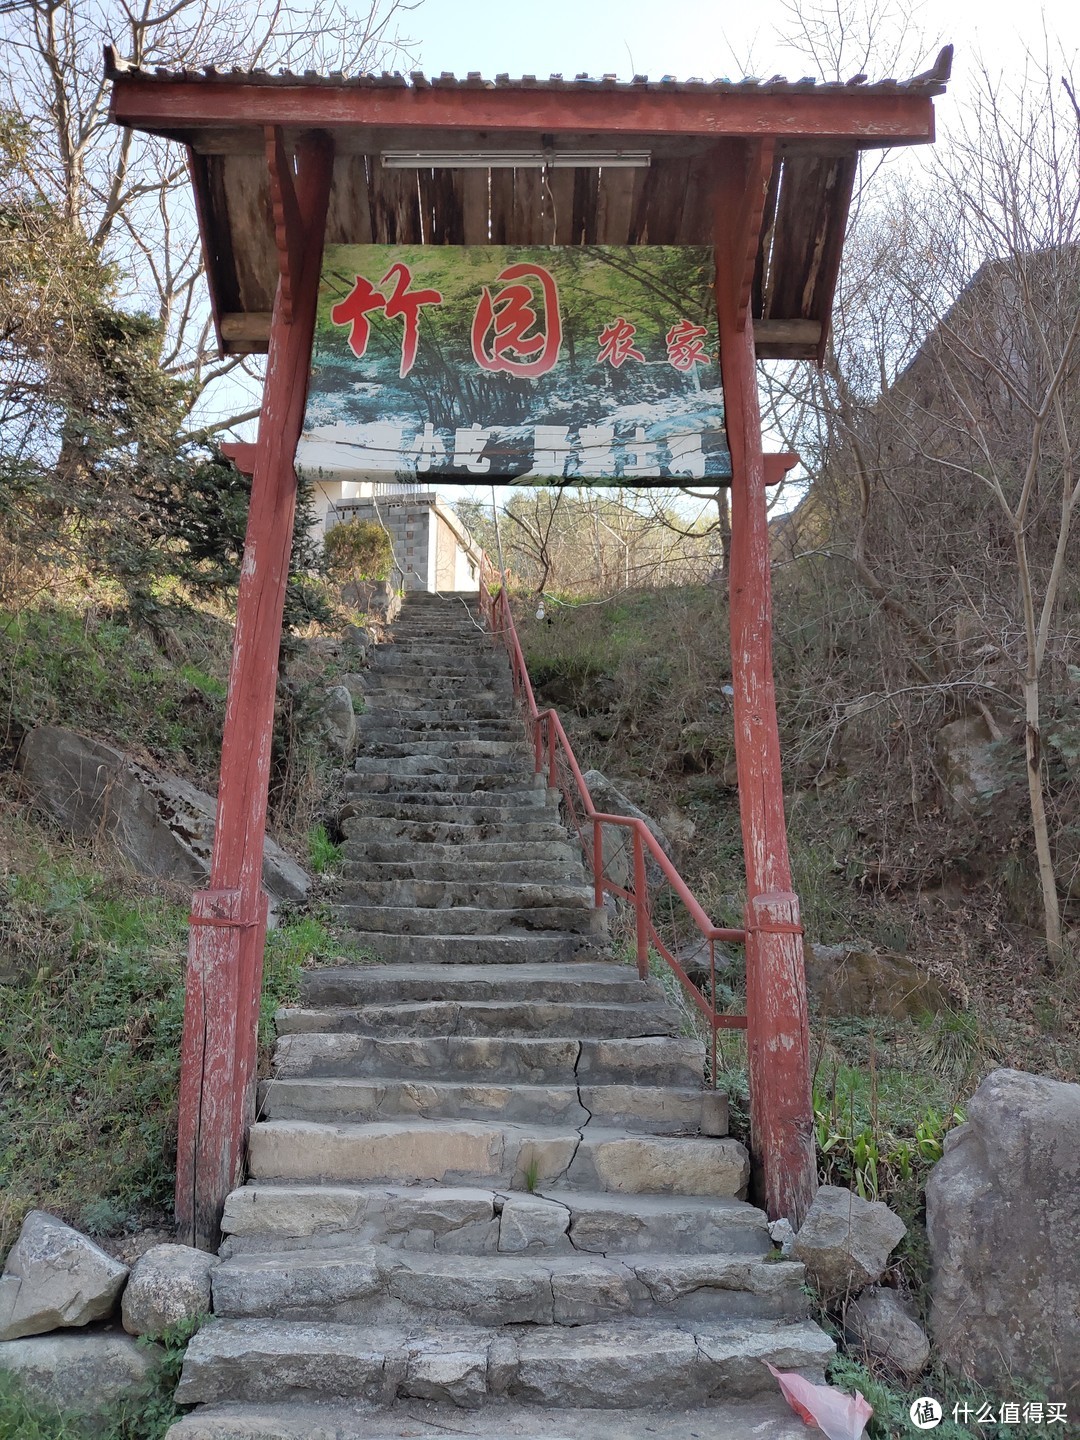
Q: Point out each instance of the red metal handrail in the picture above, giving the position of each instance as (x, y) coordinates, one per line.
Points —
(553, 754)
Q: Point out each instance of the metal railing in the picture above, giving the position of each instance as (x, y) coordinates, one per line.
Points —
(619, 868)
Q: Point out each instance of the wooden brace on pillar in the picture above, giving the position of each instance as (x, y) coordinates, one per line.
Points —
(777, 1034)
(228, 931)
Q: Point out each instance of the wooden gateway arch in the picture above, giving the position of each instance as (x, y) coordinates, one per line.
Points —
(284, 166)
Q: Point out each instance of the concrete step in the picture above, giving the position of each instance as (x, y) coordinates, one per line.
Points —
(435, 765)
(448, 832)
(466, 1221)
(536, 872)
(478, 893)
(596, 1367)
(419, 659)
(495, 732)
(473, 1152)
(649, 1111)
(469, 920)
(377, 1286)
(450, 749)
(458, 811)
(763, 1418)
(469, 1018)
(366, 984)
(474, 949)
(437, 710)
(495, 1059)
(389, 781)
(414, 790)
(448, 682)
(524, 854)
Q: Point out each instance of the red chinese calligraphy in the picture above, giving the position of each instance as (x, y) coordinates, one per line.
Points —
(506, 333)
(364, 298)
(685, 345)
(617, 343)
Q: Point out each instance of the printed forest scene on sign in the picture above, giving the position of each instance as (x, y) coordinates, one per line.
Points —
(581, 365)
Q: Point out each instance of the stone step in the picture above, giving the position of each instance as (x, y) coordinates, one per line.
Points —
(421, 659)
(762, 1418)
(368, 984)
(470, 1221)
(471, 1018)
(469, 920)
(524, 855)
(450, 749)
(566, 872)
(470, 733)
(596, 1367)
(420, 722)
(436, 710)
(447, 683)
(642, 1110)
(405, 782)
(430, 766)
(478, 893)
(495, 1059)
(473, 949)
(473, 1152)
(448, 832)
(454, 810)
(373, 1285)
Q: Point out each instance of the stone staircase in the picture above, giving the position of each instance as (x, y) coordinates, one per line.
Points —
(481, 1199)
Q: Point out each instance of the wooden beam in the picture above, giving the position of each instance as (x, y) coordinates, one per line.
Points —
(741, 235)
(243, 455)
(768, 332)
(776, 466)
(224, 976)
(288, 227)
(253, 326)
(860, 117)
(777, 1026)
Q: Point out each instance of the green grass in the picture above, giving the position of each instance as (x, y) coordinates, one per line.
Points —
(323, 854)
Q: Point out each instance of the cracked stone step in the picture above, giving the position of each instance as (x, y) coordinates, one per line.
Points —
(388, 782)
(598, 1367)
(527, 852)
(376, 1285)
(435, 708)
(382, 733)
(396, 948)
(447, 682)
(537, 872)
(499, 1059)
(530, 797)
(474, 1152)
(500, 895)
(439, 810)
(655, 1111)
(512, 750)
(463, 1220)
(361, 985)
(484, 1017)
(766, 1418)
(447, 832)
(469, 920)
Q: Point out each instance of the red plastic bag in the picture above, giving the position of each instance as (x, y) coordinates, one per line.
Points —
(839, 1416)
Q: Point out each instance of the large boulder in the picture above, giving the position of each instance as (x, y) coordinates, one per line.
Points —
(845, 1241)
(336, 718)
(169, 1284)
(89, 1373)
(1003, 1218)
(881, 1323)
(618, 840)
(54, 1277)
(855, 980)
(970, 764)
(163, 824)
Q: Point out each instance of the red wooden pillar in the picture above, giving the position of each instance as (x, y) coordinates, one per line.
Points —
(228, 930)
(777, 1033)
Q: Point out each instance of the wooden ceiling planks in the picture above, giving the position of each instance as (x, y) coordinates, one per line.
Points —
(245, 182)
(615, 206)
(666, 200)
(348, 220)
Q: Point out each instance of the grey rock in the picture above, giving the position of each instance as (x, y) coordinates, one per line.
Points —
(357, 686)
(854, 980)
(529, 1222)
(882, 1324)
(161, 823)
(55, 1277)
(845, 1241)
(781, 1233)
(617, 839)
(85, 1374)
(1003, 1218)
(449, 1373)
(337, 719)
(169, 1284)
(968, 761)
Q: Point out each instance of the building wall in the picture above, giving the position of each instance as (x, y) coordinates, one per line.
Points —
(429, 553)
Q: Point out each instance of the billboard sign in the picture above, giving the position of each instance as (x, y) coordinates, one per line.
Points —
(581, 365)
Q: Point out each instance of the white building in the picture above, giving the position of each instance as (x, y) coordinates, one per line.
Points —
(433, 550)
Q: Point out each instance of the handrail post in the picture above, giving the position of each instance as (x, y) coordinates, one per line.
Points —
(538, 744)
(641, 905)
(552, 776)
(598, 864)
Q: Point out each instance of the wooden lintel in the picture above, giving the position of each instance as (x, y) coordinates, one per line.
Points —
(175, 105)
(246, 325)
(288, 225)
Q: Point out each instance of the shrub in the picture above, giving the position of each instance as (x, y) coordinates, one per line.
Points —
(360, 550)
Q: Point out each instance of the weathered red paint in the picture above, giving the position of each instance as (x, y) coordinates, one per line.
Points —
(229, 919)
(777, 1033)
(895, 117)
